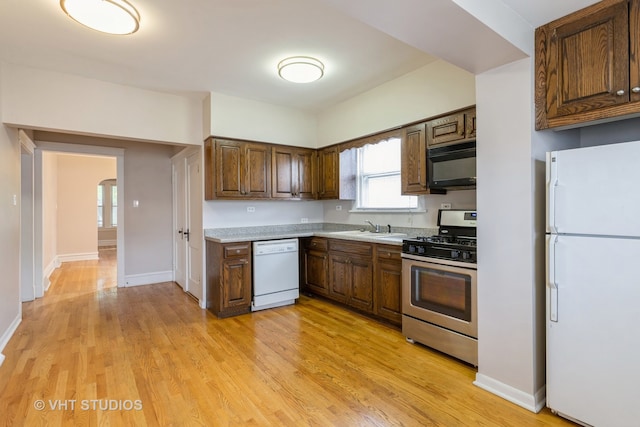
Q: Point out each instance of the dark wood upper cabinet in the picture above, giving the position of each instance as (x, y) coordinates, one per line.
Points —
(587, 65)
(413, 169)
(452, 128)
(328, 173)
(293, 173)
(237, 169)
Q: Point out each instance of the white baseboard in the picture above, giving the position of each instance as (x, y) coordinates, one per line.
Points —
(111, 242)
(87, 256)
(55, 263)
(148, 278)
(533, 403)
(6, 336)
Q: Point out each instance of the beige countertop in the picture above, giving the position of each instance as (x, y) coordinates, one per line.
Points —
(333, 231)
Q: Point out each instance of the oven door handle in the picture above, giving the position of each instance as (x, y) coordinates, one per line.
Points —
(450, 249)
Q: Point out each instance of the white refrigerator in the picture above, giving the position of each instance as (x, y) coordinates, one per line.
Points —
(593, 284)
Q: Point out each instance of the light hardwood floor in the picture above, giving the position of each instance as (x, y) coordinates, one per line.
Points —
(149, 355)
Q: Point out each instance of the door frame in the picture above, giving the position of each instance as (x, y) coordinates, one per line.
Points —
(27, 248)
(93, 150)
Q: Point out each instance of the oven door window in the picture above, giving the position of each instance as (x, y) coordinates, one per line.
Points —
(442, 292)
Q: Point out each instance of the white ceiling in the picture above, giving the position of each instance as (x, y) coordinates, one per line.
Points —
(233, 46)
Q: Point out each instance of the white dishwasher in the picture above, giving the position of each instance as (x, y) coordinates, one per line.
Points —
(275, 273)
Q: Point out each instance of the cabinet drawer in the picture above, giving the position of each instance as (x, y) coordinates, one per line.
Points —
(317, 244)
(233, 250)
(387, 252)
(350, 248)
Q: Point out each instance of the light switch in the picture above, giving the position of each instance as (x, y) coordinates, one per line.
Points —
(136, 203)
(14, 200)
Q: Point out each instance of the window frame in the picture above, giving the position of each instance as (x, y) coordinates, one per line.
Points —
(108, 203)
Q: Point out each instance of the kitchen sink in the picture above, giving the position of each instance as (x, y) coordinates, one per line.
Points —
(368, 234)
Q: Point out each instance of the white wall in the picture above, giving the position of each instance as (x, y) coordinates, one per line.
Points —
(233, 117)
(78, 179)
(149, 227)
(429, 91)
(233, 213)
(10, 306)
(38, 99)
(506, 332)
(463, 199)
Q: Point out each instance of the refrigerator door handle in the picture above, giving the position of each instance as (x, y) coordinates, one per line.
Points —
(551, 279)
(552, 184)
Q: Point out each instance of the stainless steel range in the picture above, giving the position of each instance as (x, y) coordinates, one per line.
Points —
(439, 287)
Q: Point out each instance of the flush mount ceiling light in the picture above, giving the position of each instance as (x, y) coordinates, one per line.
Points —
(108, 16)
(300, 69)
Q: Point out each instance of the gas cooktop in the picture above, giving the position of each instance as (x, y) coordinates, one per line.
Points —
(456, 238)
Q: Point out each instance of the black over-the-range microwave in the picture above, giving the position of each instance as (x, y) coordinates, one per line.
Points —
(452, 167)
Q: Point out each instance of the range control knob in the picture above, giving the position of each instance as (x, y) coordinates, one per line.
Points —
(455, 254)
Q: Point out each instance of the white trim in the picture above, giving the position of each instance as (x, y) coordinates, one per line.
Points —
(4, 340)
(26, 142)
(107, 242)
(148, 278)
(46, 274)
(86, 256)
(532, 402)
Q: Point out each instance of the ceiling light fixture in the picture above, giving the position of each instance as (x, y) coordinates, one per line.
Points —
(108, 16)
(300, 69)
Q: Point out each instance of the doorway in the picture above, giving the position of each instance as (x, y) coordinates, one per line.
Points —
(45, 263)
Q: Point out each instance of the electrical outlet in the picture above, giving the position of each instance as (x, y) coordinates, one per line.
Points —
(251, 209)
(338, 207)
(304, 220)
(445, 205)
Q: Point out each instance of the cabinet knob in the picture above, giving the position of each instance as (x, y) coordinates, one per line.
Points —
(620, 92)
(237, 251)
(635, 89)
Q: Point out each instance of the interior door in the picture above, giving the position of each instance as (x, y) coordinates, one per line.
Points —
(194, 227)
(180, 209)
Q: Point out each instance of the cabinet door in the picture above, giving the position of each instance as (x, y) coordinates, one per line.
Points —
(446, 129)
(470, 124)
(413, 169)
(305, 173)
(283, 173)
(388, 284)
(582, 65)
(236, 283)
(339, 277)
(257, 177)
(229, 168)
(316, 266)
(328, 173)
(361, 292)
(589, 62)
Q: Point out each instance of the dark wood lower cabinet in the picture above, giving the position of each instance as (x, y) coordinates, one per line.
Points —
(363, 276)
(388, 283)
(228, 278)
(315, 267)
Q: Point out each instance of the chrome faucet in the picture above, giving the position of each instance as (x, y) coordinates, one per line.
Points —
(376, 227)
